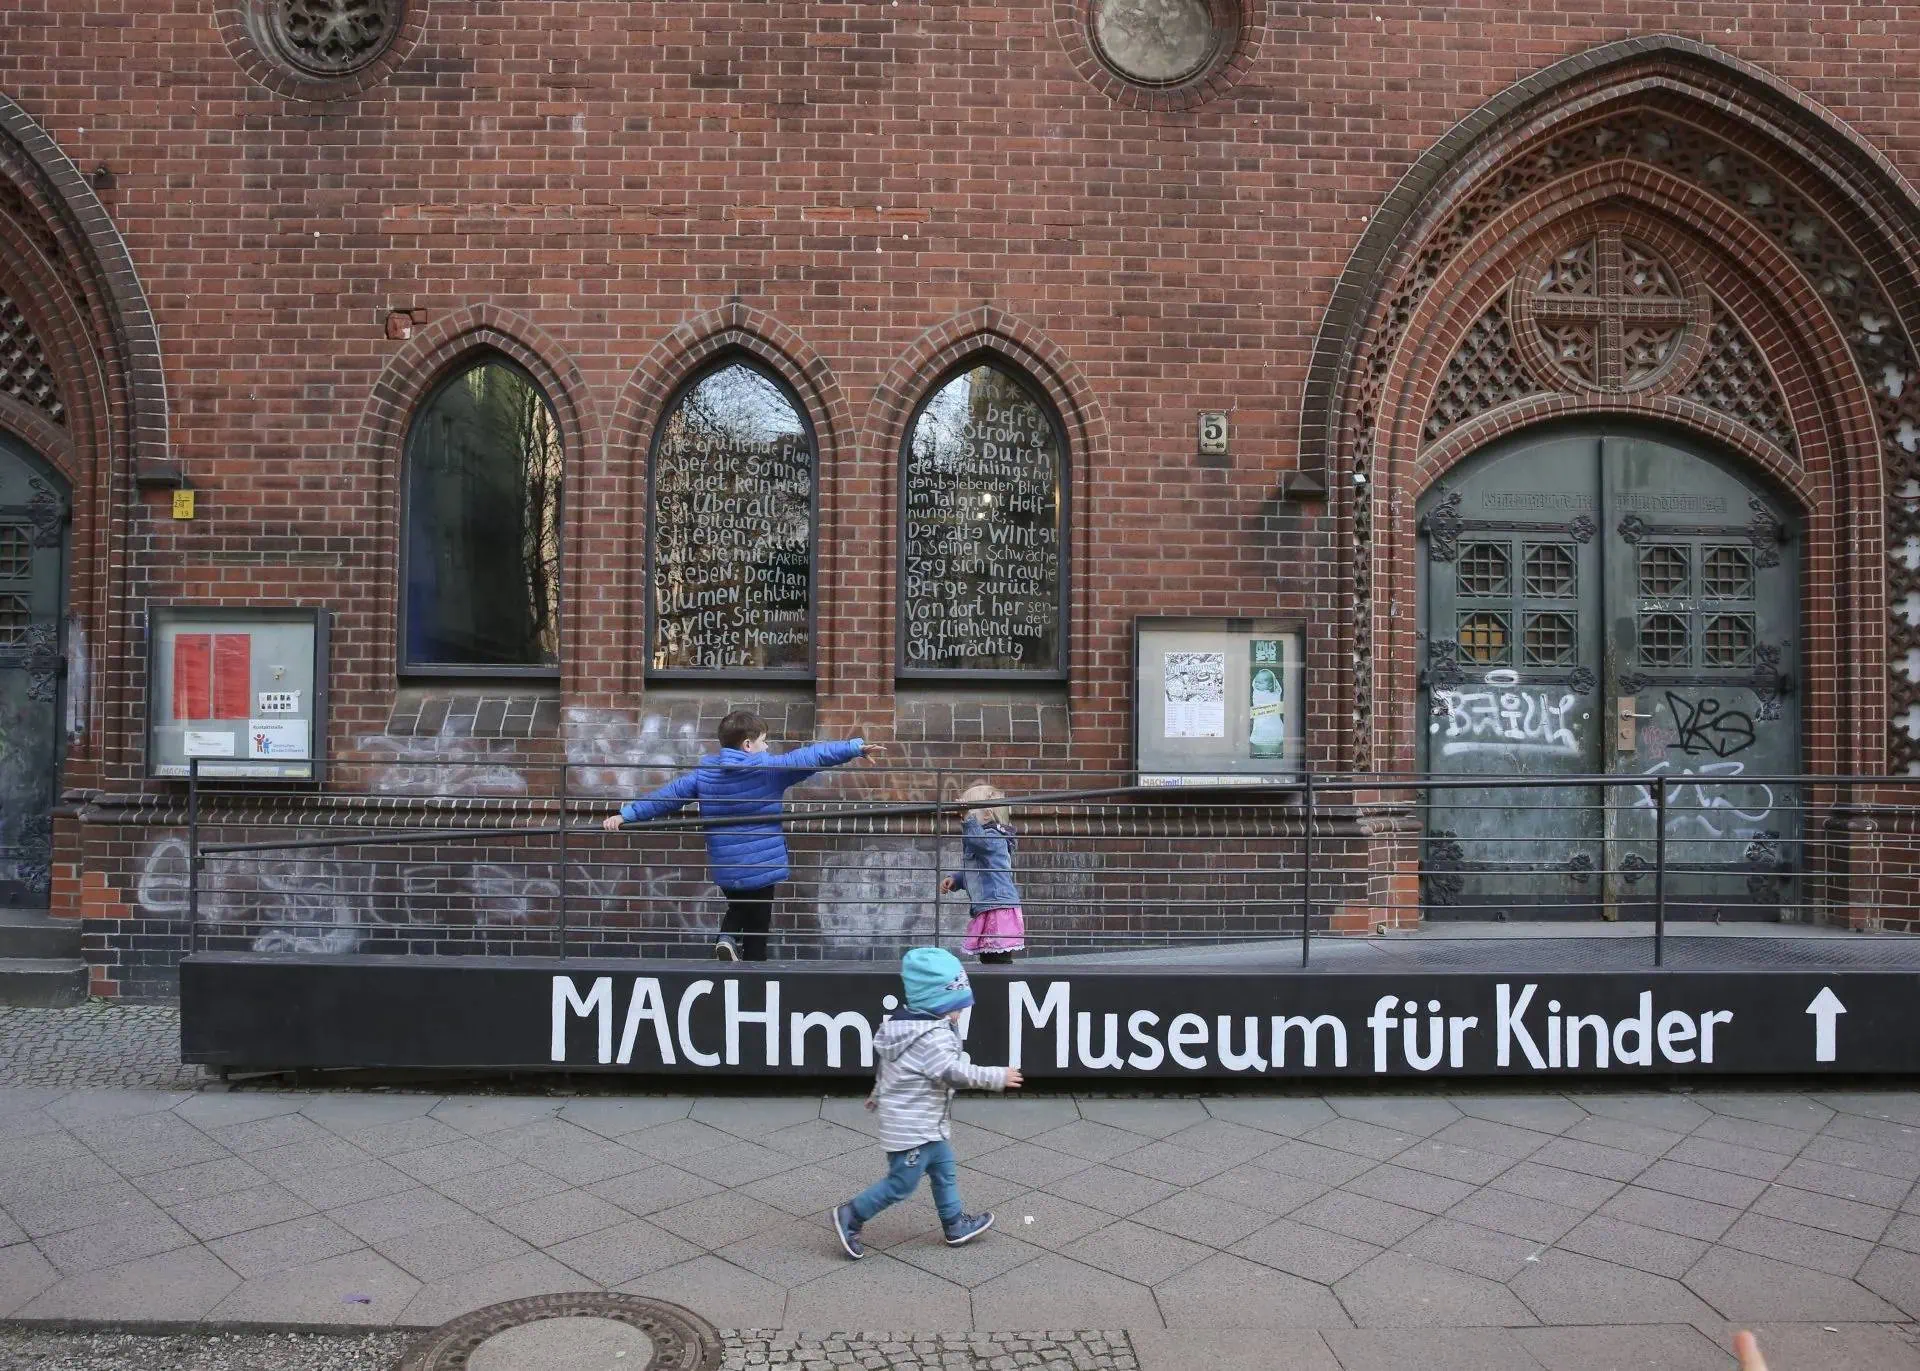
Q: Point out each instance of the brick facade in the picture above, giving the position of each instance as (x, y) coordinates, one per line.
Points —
(214, 253)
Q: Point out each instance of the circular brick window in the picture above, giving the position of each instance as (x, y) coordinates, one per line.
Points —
(1161, 54)
(1159, 42)
(1609, 313)
(332, 38)
(320, 49)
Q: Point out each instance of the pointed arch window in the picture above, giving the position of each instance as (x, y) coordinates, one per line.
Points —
(734, 493)
(983, 557)
(485, 469)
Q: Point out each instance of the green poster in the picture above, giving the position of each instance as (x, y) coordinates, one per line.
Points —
(1267, 739)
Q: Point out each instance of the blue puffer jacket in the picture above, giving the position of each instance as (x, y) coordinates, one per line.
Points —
(743, 856)
(987, 850)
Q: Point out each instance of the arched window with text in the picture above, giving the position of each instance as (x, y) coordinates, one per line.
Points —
(733, 490)
(480, 564)
(983, 558)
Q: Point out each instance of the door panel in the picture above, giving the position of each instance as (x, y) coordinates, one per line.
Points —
(33, 510)
(1513, 643)
(1703, 603)
(1608, 604)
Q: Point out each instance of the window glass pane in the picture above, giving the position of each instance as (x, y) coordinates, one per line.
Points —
(484, 465)
(1484, 639)
(1552, 571)
(981, 576)
(733, 528)
(1664, 571)
(1485, 569)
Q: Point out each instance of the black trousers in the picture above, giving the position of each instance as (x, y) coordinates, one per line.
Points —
(749, 915)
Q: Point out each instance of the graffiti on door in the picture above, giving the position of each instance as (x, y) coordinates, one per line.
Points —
(1706, 726)
(1702, 802)
(1506, 717)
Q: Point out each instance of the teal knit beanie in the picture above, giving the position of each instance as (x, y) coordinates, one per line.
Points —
(935, 981)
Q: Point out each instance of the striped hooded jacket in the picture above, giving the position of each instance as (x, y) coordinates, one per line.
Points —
(920, 1063)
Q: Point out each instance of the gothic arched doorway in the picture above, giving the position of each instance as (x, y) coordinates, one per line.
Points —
(33, 573)
(1609, 599)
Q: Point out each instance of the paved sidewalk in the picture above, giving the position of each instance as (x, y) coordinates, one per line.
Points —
(1510, 1230)
(1488, 1231)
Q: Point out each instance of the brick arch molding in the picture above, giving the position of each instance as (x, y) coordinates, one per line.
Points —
(1762, 337)
(689, 346)
(1779, 181)
(987, 329)
(405, 382)
(77, 283)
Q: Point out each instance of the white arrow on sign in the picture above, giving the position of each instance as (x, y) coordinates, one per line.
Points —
(1826, 1010)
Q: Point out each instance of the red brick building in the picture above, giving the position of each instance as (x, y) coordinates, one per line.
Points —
(1567, 342)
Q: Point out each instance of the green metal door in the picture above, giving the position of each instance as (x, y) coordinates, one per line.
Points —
(1599, 603)
(33, 527)
(1512, 571)
(1702, 596)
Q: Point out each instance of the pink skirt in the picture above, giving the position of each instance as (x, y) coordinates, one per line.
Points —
(996, 930)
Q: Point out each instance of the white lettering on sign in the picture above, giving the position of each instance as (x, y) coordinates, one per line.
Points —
(567, 997)
(1631, 1040)
(647, 1004)
(836, 1027)
(1417, 1033)
(768, 1018)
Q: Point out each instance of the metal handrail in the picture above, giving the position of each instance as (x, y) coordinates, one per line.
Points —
(1306, 795)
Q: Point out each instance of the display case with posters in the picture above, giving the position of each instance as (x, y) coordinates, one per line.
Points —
(242, 691)
(1217, 701)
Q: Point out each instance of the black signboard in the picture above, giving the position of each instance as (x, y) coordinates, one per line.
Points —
(982, 553)
(252, 1010)
(731, 547)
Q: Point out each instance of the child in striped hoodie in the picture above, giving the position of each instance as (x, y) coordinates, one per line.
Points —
(921, 1063)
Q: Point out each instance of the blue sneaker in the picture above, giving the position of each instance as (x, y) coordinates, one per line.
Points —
(726, 950)
(968, 1227)
(849, 1230)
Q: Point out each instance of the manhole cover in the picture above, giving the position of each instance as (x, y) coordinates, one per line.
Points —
(590, 1332)
(575, 1343)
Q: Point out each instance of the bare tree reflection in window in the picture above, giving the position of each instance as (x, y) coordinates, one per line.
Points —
(485, 476)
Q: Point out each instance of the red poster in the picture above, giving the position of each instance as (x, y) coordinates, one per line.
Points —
(193, 676)
(232, 675)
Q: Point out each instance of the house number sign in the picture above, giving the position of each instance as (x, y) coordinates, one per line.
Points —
(1213, 433)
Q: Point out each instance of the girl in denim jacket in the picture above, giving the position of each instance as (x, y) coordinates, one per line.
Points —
(997, 929)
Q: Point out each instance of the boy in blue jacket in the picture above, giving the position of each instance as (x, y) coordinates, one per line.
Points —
(749, 860)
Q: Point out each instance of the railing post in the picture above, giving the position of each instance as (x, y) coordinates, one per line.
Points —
(564, 865)
(1306, 872)
(939, 847)
(193, 855)
(1659, 869)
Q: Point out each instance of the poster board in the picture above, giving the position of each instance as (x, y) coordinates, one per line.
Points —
(241, 690)
(1218, 701)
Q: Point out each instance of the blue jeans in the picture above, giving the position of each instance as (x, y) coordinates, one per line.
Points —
(904, 1169)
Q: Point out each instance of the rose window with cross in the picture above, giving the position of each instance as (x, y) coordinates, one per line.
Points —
(1608, 312)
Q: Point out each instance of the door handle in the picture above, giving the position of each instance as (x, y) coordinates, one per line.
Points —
(1625, 723)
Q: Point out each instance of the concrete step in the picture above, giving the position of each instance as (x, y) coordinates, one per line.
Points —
(42, 982)
(36, 933)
